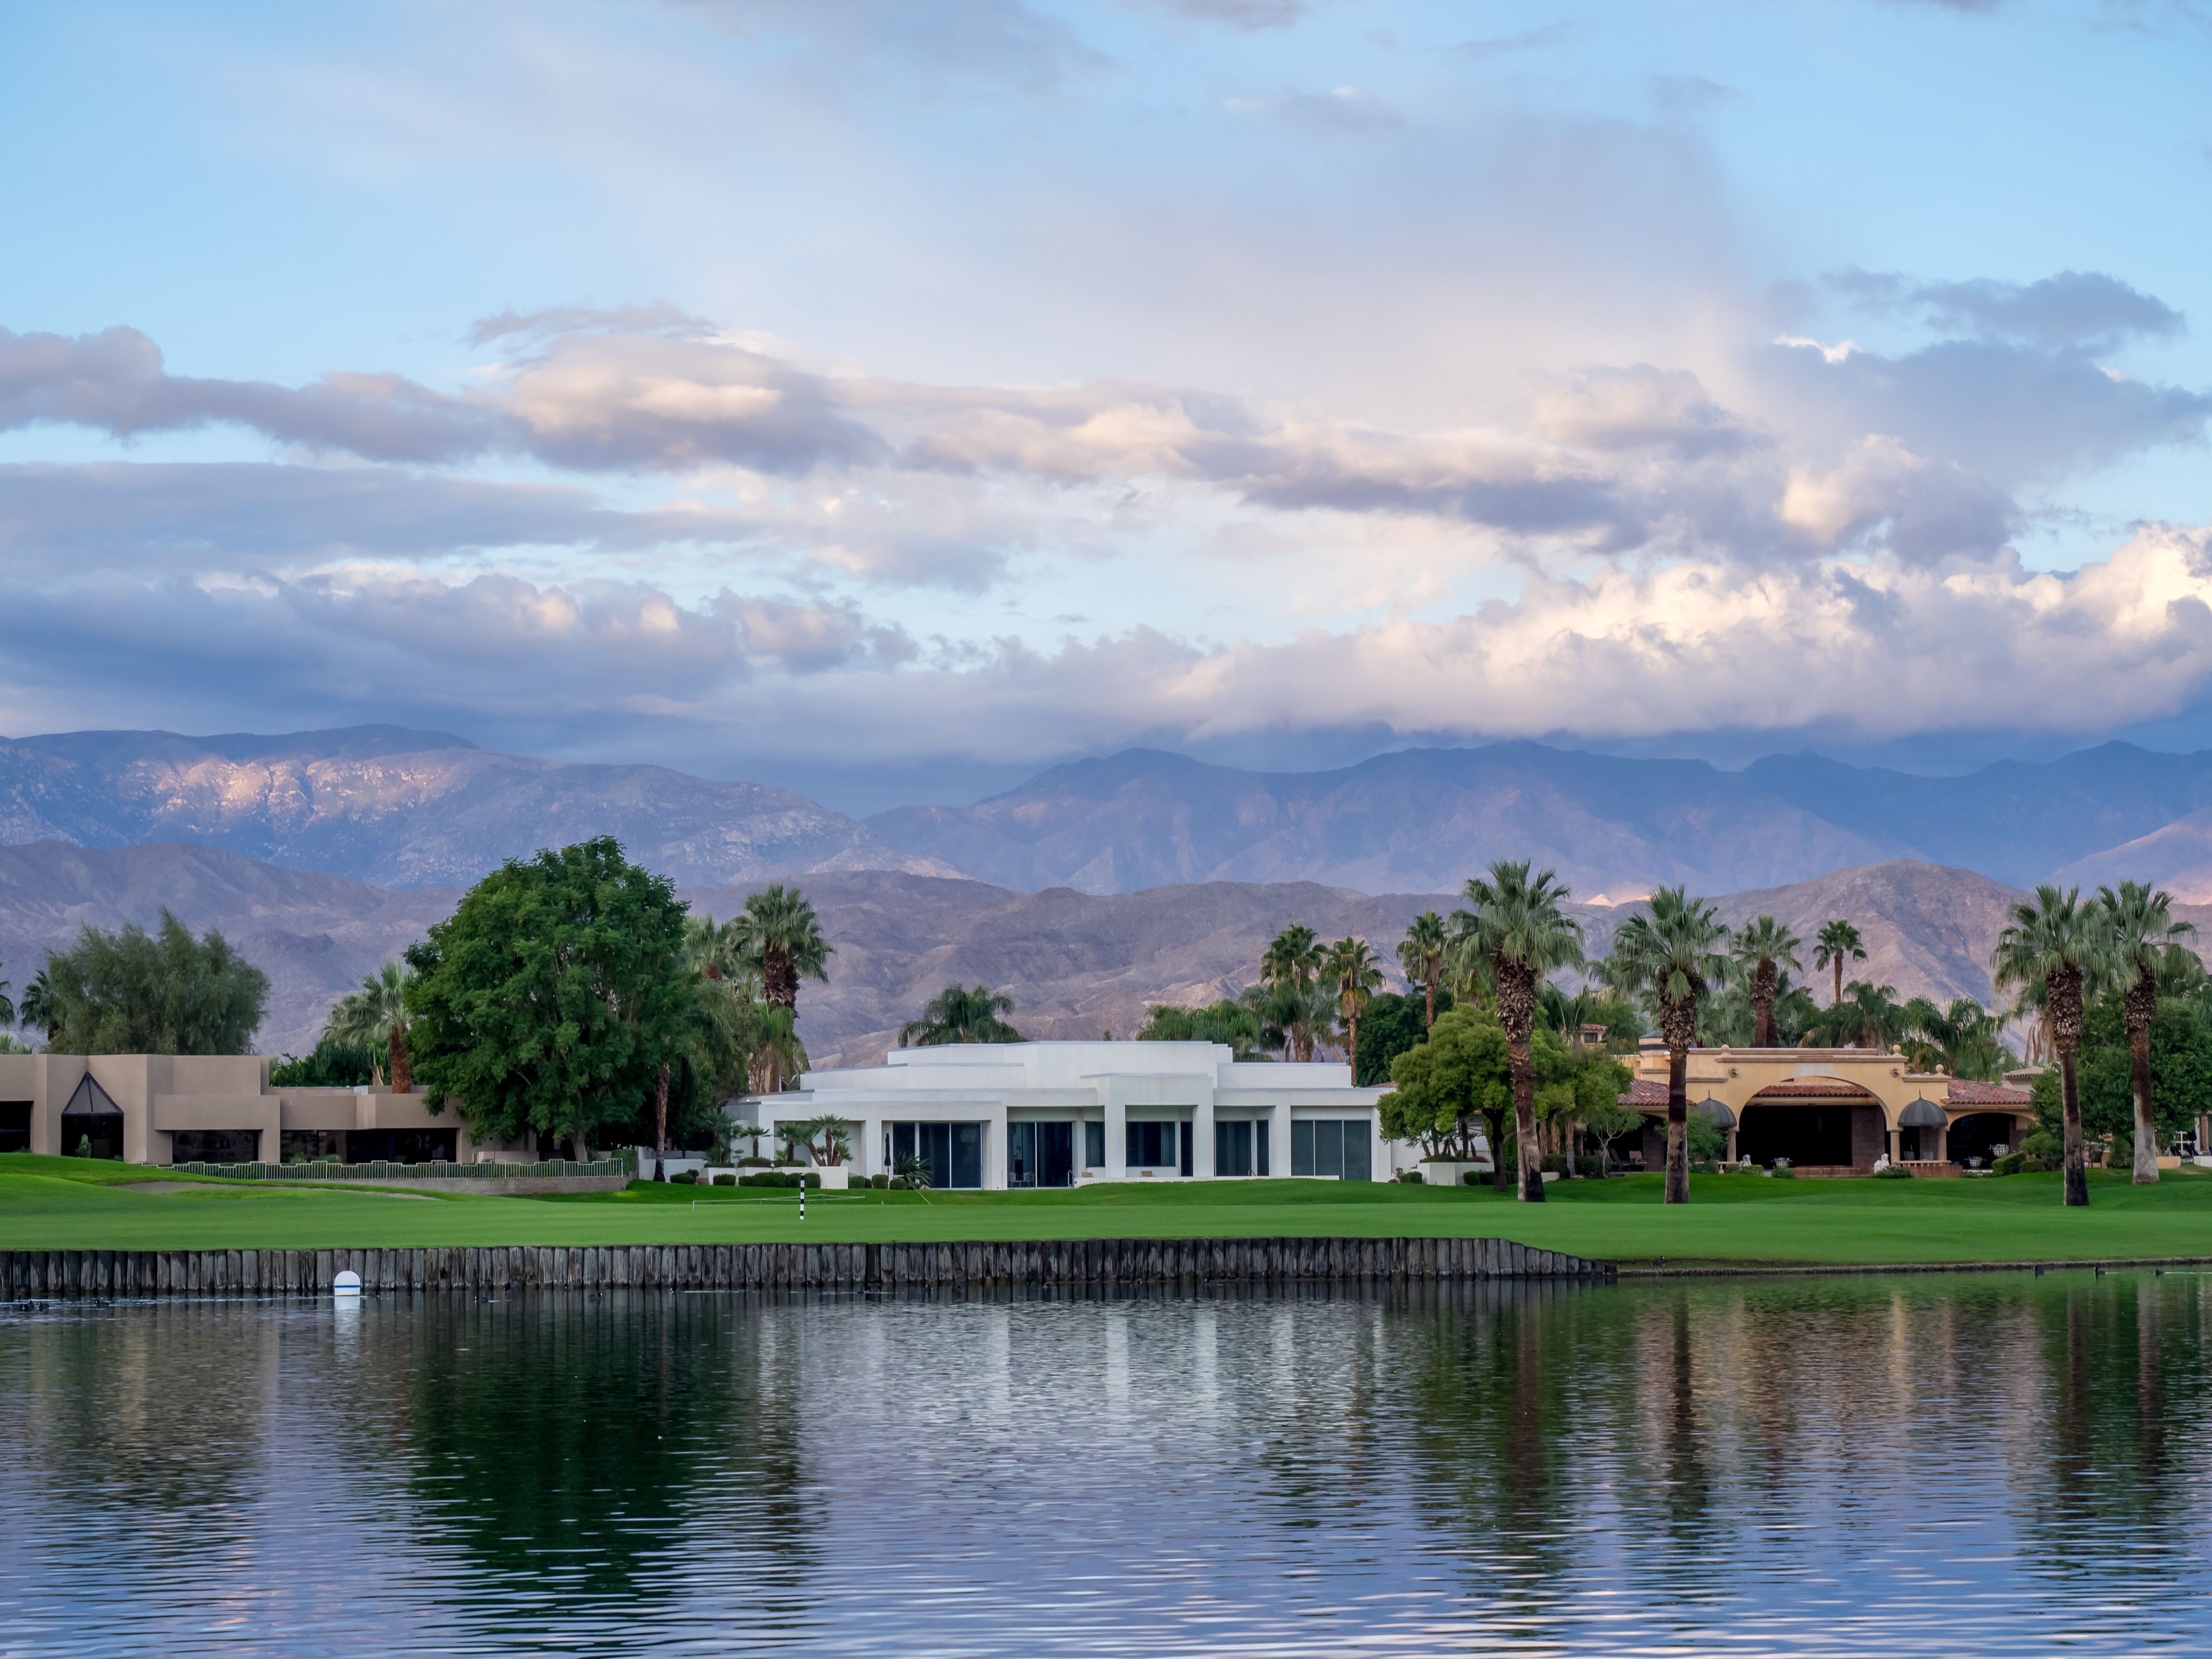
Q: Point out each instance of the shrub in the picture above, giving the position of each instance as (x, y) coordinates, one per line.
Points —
(753, 1161)
(1782, 1171)
(684, 1178)
(2044, 1145)
(782, 1178)
(726, 1180)
(1894, 1172)
(1410, 1178)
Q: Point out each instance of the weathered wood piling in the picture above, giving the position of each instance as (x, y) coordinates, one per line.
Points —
(1077, 1263)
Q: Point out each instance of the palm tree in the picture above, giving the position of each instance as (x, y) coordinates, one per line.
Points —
(36, 1008)
(1761, 949)
(1290, 965)
(774, 1051)
(778, 934)
(2060, 943)
(1869, 1017)
(1421, 954)
(376, 1016)
(956, 1014)
(1516, 925)
(1837, 941)
(1350, 969)
(1674, 954)
(2141, 930)
(1961, 1039)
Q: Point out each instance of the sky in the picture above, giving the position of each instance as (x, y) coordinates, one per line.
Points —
(888, 400)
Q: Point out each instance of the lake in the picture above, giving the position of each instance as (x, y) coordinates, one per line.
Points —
(1997, 1464)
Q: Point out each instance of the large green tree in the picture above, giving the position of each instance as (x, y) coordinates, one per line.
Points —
(166, 993)
(2180, 1043)
(1515, 923)
(1391, 1026)
(1421, 954)
(1351, 972)
(1228, 1023)
(554, 997)
(779, 934)
(1291, 1000)
(2058, 947)
(1673, 953)
(2140, 929)
(1440, 1087)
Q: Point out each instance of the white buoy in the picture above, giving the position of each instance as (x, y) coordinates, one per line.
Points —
(346, 1283)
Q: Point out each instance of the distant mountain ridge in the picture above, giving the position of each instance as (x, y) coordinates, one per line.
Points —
(404, 809)
(411, 809)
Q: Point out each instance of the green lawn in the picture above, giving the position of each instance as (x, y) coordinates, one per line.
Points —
(73, 1203)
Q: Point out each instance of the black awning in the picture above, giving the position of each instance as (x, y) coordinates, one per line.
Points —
(1721, 1117)
(90, 1100)
(1922, 1113)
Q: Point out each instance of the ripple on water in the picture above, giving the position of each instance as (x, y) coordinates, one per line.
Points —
(1996, 1465)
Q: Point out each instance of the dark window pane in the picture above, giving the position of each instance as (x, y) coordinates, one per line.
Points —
(400, 1146)
(1302, 1146)
(967, 1155)
(1055, 1154)
(1329, 1147)
(216, 1145)
(1021, 1155)
(1260, 1147)
(1187, 1134)
(1094, 1145)
(14, 1126)
(1358, 1155)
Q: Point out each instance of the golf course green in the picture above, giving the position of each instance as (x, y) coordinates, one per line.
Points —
(50, 1203)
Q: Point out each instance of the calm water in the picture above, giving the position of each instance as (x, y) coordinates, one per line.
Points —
(1989, 1465)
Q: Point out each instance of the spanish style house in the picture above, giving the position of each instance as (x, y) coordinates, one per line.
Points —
(1832, 1111)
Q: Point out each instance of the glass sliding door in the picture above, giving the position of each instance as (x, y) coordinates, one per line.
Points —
(1094, 1144)
(1232, 1148)
(1333, 1148)
(951, 1153)
(1041, 1154)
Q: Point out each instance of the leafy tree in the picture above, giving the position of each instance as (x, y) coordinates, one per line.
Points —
(553, 997)
(37, 1010)
(376, 1016)
(1289, 969)
(1515, 924)
(132, 993)
(1728, 1019)
(781, 937)
(1349, 968)
(2058, 945)
(1224, 1022)
(1421, 954)
(1585, 1089)
(330, 1065)
(1865, 1016)
(1594, 1004)
(1760, 950)
(1673, 953)
(1961, 1039)
(1292, 1015)
(2140, 929)
(1838, 942)
(1391, 1026)
(957, 1014)
(1463, 1071)
(2181, 1073)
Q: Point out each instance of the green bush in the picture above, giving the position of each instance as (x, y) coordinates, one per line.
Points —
(1410, 1178)
(753, 1161)
(1474, 1178)
(684, 1178)
(726, 1180)
(2010, 1164)
(2044, 1144)
(782, 1178)
(1782, 1171)
(1894, 1172)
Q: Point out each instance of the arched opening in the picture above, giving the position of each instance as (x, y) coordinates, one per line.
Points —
(1816, 1124)
(1920, 1133)
(92, 1123)
(1980, 1134)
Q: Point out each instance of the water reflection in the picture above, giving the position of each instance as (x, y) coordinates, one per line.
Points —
(2001, 1465)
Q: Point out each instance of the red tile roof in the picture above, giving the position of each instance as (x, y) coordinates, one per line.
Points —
(1964, 1093)
(1645, 1095)
(1814, 1088)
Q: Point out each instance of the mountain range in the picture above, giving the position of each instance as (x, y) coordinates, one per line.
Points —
(402, 809)
(1076, 964)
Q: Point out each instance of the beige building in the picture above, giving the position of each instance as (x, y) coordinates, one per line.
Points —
(212, 1108)
(1833, 1111)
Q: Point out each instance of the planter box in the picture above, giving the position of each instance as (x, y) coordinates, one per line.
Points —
(1448, 1172)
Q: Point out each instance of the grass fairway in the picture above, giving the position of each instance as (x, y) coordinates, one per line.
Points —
(74, 1204)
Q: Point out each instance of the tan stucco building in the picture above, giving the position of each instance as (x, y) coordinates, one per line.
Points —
(1833, 1111)
(212, 1108)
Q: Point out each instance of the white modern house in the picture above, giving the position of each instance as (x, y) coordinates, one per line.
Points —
(1001, 1115)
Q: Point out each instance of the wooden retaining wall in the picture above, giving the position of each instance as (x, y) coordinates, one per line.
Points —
(1088, 1263)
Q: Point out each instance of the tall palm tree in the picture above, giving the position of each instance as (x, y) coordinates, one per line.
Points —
(1961, 1039)
(2141, 930)
(1516, 925)
(1350, 969)
(778, 934)
(957, 1014)
(1290, 966)
(1421, 954)
(2060, 943)
(1836, 942)
(1673, 955)
(376, 1016)
(36, 1009)
(1761, 949)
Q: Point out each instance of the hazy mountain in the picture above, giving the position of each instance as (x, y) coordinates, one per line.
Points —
(410, 808)
(1421, 820)
(1076, 964)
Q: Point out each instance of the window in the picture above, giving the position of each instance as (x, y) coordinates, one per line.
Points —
(1040, 1154)
(401, 1145)
(1094, 1145)
(1331, 1146)
(1154, 1146)
(951, 1152)
(311, 1145)
(14, 1126)
(216, 1145)
(1233, 1149)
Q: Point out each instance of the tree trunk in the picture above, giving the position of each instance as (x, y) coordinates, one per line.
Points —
(1352, 1047)
(2141, 1007)
(1678, 1124)
(403, 1067)
(1430, 1023)
(582, 1156)
(1493, 1124)
(1840, 983)
(1762, 1002)
(2077, 1174)
(1531, 1153)
(659, 1119)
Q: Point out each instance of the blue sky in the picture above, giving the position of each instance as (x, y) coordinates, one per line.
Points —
(889, 400)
